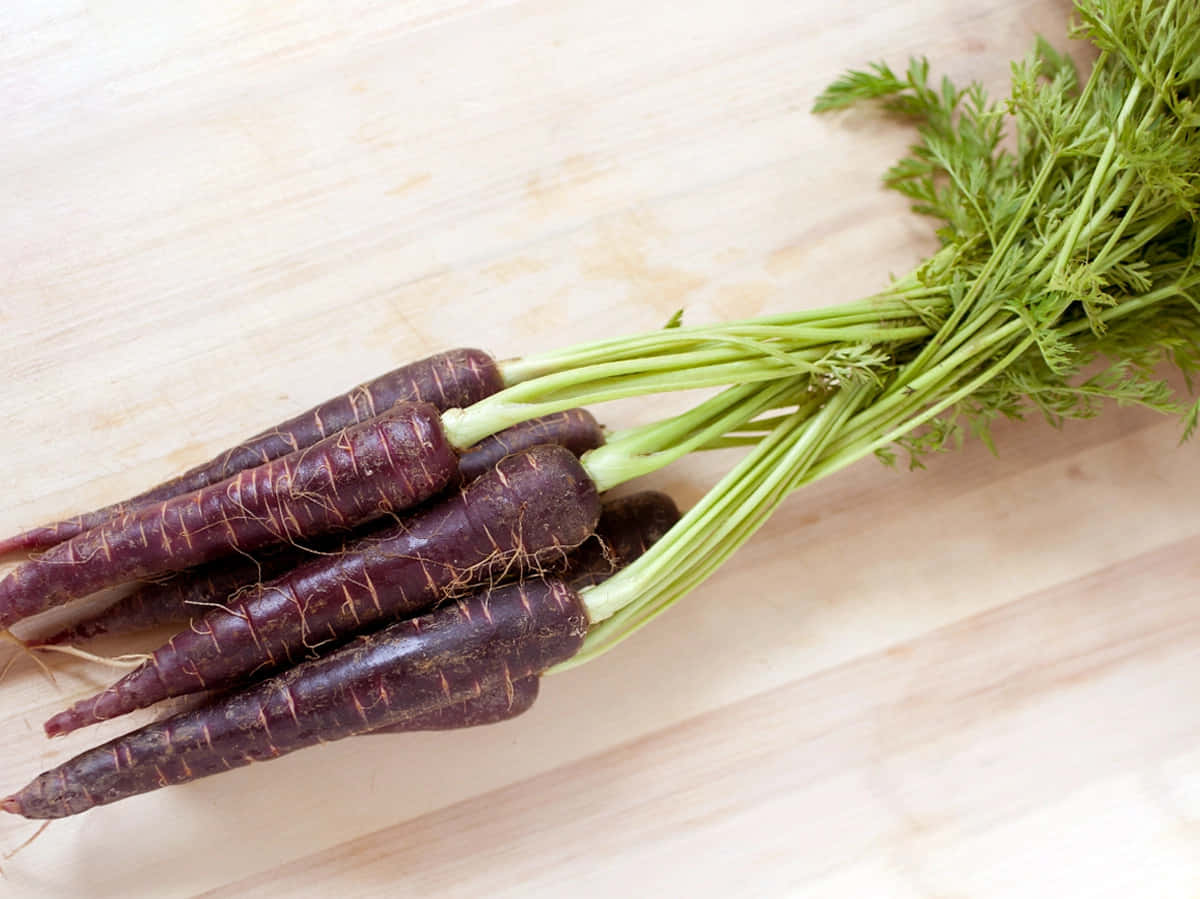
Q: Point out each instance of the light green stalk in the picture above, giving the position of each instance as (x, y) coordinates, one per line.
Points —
(1095, 255)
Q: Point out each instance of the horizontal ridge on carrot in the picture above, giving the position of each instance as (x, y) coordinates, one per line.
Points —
(446, 380)
(497, 701)
(384, 465)
(413, 669)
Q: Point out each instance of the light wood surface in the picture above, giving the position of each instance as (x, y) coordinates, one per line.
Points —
(973, 681)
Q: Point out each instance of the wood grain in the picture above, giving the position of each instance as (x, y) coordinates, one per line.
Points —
(867, 773)
(969, 681)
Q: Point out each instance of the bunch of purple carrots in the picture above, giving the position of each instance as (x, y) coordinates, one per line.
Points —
(349, 571)
(417, 552)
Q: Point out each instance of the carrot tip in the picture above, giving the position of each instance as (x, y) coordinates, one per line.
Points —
(21, 543)
(11, 804)
(61, 724)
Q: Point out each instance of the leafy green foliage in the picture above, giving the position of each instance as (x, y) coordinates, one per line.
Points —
(1072, 244)
(1067, 279)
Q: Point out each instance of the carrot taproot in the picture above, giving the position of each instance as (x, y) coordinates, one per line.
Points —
(446, 380)
(410, 670)
(191, 593)
(529, 510)
(387, 464)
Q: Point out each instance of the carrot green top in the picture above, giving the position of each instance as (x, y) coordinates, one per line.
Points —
(1074, 244)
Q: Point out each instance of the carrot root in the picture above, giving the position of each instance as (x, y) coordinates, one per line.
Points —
(409, 669)
(25, 843)
(128, 660)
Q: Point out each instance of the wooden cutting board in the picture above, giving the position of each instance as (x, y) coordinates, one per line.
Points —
(977, 680)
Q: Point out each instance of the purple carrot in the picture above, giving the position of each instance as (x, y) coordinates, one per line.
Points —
(387, 464)
(191, 593)
(457, 378)
(628, 527)
(408, 670)
(529, 510)
(575, 429)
